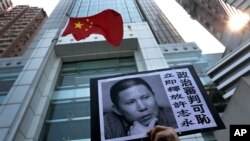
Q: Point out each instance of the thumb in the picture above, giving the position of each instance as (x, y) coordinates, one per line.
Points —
(153, 122)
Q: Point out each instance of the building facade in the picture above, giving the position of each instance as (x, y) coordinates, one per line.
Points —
(236, 112)
(50, 98)
(231, 77)
(181, 54)
(161, 27)
(228, 71)
(187, 54)
(209, 13)
(18, 26)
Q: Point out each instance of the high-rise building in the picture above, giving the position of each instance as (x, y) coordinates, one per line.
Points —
(214, 15)
(50, 99)
(231, 74)
(228, 76)
(18, 25)
(209, 13)
(231, 77)
(158, 23)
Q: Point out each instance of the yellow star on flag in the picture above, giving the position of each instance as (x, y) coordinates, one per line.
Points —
(78, 25)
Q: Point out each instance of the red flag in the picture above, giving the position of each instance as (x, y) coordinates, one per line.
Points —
(107, 23)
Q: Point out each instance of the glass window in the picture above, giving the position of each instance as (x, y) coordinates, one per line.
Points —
(66, 130)
(7, 78)
(68, 116)
(69, 108)
(127, 8)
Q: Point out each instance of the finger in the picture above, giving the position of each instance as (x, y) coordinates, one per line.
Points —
(153, 122)
(167, 134)
(161, 136)
(158, 128)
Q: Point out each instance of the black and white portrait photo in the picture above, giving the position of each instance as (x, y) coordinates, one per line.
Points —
(128, 106)
(131, 106)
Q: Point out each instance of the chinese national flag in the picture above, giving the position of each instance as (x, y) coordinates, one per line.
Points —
(107, 23)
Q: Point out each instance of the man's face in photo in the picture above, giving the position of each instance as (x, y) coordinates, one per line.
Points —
(138, 103)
